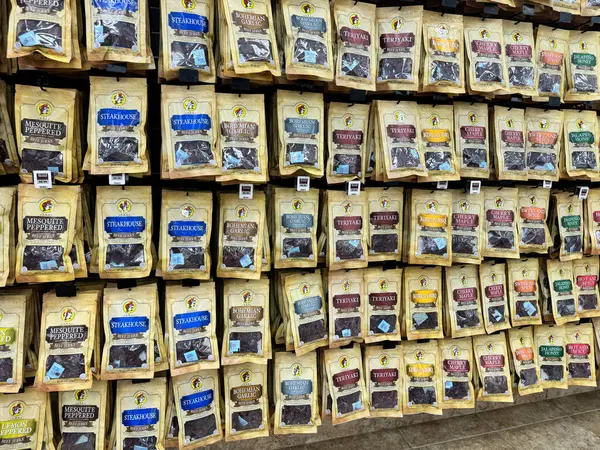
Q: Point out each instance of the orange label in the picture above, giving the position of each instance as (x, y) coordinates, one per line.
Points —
(524, 354)
(433, 220)
(551, 58)
(444, 45)
(542, 137)
(525, 286)
(533, 213)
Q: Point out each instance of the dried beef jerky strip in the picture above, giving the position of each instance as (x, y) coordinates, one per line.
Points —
(425, 321)
(34, 159)
(118, 149)
(128, 356)
(456, 390)
(6, 369)
(125, 255)
(116, 33)
(385, 323)
(189, 153)
(422, 395)
(247, 342)
(384, 399)
(297, 247)
(43, 257)
(347, 164)
(384, 243)
(474, 158)
(310, 51)
(496, 314)
(347, 403)
(190, 257)
(495, 384)
(200, 428)
(79, 441)
(552, 372)
(191, 55)
(201, 347)
(65, 366)
(349, 249)
(135, 443)
(347, 326)
(301, 153)
(467, 318)
(246, 420)
(39, 33)
(312, 331)
(464, 244)
(296, 414)
(237, 256)
(395, 69)
(580, 370)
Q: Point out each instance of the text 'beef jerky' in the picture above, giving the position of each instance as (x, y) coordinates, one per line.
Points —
(519, 49)
(583, 67)
(386, 206)
(356, 49)
(509, 126)
(129, 328)
(457, 373)
(197, 401)
(569, 208)
(25, 415)
(525, 360)
(422, 379)
(471, 129)
(124, 231)
(585, 274)
(67, 339)
(246, 402)
(550, 341)
(493, 366)
(186, 224)
(296, 394)
(247, 337)
(187, 38)
(581, 143)
(430, 241)
(191, 327)
(551, 48)
(384, 376)
(560, 278)
(189, 133)
(346, 307)
(523, 292)
(12, 338)
(383, 297)
(116, 125)
(500, 237)
(494, 296)
(45, 129)
(140, 414)
(580, 354)
(423, 302)
(347, 234)
(46, 219)
(463, 300)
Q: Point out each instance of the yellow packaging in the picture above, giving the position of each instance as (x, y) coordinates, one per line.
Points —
(585, 275)
(534, 235)
(463, 301)
(523, 292)
(520, 59)
(386, 207)
(384, 369)
(569, 209)
(431, 238)
(543, 144)
(423, 302)
(8, 199)
(581, 143)
(383, 290)
(500, 236)
(457, 373)
(437, 136)
(592, 216)
(493, 366)
(23, 415)
(13, 335)
(467, 219)
(472, 137)
(581, 367)
(346, 291)
(590, 8)
(509, 128)
(583, 51)
(550, 341)
(525, 360)
(9, 158)
(560, 280)
(551, 49)
(422, 378)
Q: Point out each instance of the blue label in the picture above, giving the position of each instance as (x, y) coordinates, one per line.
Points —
(55, 371)
(133, 224)
(197, 400)
(140, 417)
(111, 117)
(188, 122)
(177, 259)
(119, 5)
(307, 305)
(188, 22)
(384, 326)
(296, 387)
(48, 265)
(234, 346)
(301, 126)
(309, 23)
(245, 261)
(190, 356)
(195, 319)
(186, 228)
(129, 325)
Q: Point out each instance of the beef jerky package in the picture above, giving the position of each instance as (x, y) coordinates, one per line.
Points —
(467, 219)
(308, 39)
(356, 65)
(8, 200)
(523, 292)
(347, 142)
(241, 232)
(551, 47)
(40, 27)
(590, 8)
(472, 137)
(68, 336)
(560, 278)
(242, 141)
(347, 231)
(581, 143)
(246, 402)
(46, 219)
(581, 370)
(592, 216)
(252, 36)
(247, 337)
(491, 354)
(296, 394)
(186, 223)
(301, 131)
(500, 236)
(437, 132)
(444, 59)
(129, 328)
(45, 122)
(525, 360)
(484, 42)
(124, 231)
(533, 232)
(118, 31)
(457, 373)
(423, 302)
(386, 207)
(509, 127)
(384, 296)
(22, 415)
(172, 424)
(189, 136)
(295, 227)
(140, 414)
(399, 51)
(190, 322)
(520, 62)
(9, 158)
(399, 130)
(543, 144)
(83, 417)
(197, 401)
(550, 341)
(384, 373)
(585, 274)
(422, 379)
(463, 304)
(569, 209)
(346, 291)
(116, 125)
(346, 382)
(431, 236)
(187, 31)
(545, 295)
(582, 66)
(13, 307)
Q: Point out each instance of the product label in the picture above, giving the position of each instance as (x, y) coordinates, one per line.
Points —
(191, 321)
(197, 401)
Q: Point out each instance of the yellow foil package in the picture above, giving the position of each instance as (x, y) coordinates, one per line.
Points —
(456, 357)
(346, 290)
(491, 354)
(386, 206)
(463, 301)
(580, 348)
(550, 341)
(347, 235)
(560, 280)
(500, 236)
(384, 369)
(24, 414)
(581, 143)
(422, 378)
(423, 302)
(431, 239)
(569, 208)
(551, 49)
(492, 277)
(585, 274)
(525, 360)
(383, 290)
(523, 292)
(534, 235)
(467, 224)
(472, 137)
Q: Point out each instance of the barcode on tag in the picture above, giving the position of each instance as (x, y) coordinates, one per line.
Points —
(442, 185)
(42, 179)
(475, 187)
(353, 188)
(303, 184)
(583, 192)
(547, 184)
(246, 191)
(117, 179)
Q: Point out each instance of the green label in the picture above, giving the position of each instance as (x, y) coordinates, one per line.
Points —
(7, 336)
(571, 221)
(581, 137)
(563, 286)
(552, 351)
(583, 59)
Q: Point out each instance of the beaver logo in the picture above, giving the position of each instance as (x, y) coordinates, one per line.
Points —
(190, 105)
(489, 347)
(118, 98)
(344, 362)
(248, 4)
(484, 33)
(47, 205)
(191, 302)
(15, 409)
(80, 395)
(196, 383)
(188, 4)
(580, 124)
(399, 115)
(397, 23)
(473, 117)
(424, 281)
(67, 314)
(455, 351)
(510, 123)
(516, 36)
(297, 204)
(301, 109)
(187, 211)
(247, 297)
(307, 8)
(305, 289)
(383, 284)
(242, 212)
(348, 120)
(463, 205)
(346, 285)
(129, 306)
(246, 376)
(434, 120)
(239, 112)
(354, 19)
(384, 360)
(296, 370)
(385, 202)
(347, 207)
(140, 398)
(124, 206)
(43, 108)
(419, 355)
(499, 202)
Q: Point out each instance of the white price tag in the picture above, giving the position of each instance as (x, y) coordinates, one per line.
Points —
(442, 185)
(302, 184)
(118, 179)
(475, 187)
(353, 188)
(246, 191)
(547, 184)
(583, 192)
(42, 179)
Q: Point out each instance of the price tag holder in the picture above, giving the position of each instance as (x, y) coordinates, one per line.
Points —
(547, 184)
(117, 179)
(353, 188)
(302, 184)
(442, 185)
(42, 179)
(583, 192)
(246, 191)
(475, 187)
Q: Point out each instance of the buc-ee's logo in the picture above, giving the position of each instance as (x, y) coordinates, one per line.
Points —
(247, 297)
(484, 33)
(297, 204)
(296, 370)
(188, 4)
(307, 8)
(354, 19)
(347, 207)
(248, 4)
(489, 347)
(397, 23)
(47, 205)
(383, 284)
(419, 355)
(118, 98)
(463, 205)
(124, 206)
(241, 212)
(140, 398)
(305, 289)
(80, 395)
(191, 302)
(399, 116)
(15, 409)
(348, 120)
(431, 206)
(67, 314)
(239, 112)
(190, 105)
(472, 117)
(245, 376)
(346, 285)
(385, 202)
(196, 383)
(301, 109)
(384, 360)
(43, 109)
(344, 362)
(187, 211)
(129, 306)
(516, 36)
(455, 351)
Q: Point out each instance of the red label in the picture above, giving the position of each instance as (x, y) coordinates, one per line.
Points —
(384, 218)
(586, 281)
(352, 223)
(471, 132)
(578, 349)
(390, 41)
(456, 365)
(355, 36)
(494, 291)
(346, 301)
(383, 299)
(596, 216)
(465, 220)
(492, 361)
(401, 131)
(347, 137)
(512, 136)
(500, 215)
(518, 51)
(346, 378)
(384, 375)
(465, 294)
(486, 47)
